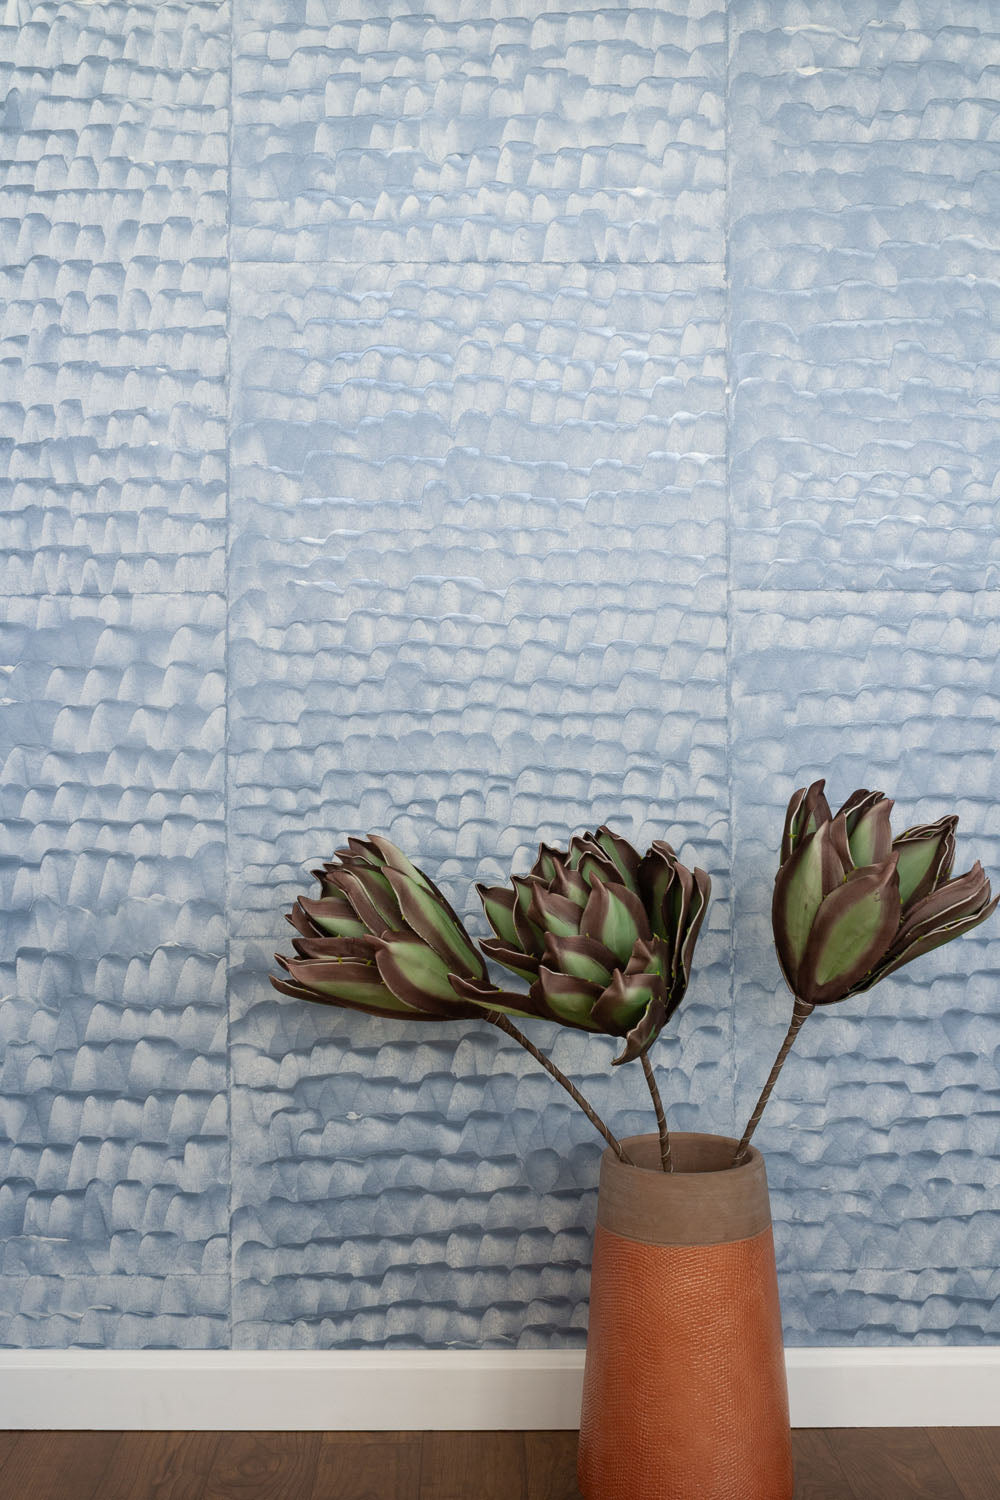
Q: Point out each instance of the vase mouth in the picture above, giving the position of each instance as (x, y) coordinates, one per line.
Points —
(694, 1153)
(704, 1201)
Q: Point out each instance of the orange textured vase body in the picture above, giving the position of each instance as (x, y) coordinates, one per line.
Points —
(684, 1394)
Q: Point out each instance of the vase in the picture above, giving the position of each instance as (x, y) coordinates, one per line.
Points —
(684, 1392)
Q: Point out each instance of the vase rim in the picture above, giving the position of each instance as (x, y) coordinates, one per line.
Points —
(705, 1201)
(682, 1139)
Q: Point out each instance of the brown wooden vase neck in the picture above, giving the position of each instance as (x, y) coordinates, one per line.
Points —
(704, 1201)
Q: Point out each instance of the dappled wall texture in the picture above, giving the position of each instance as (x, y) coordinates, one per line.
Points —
(471, 422)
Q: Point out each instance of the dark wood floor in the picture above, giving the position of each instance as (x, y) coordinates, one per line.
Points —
(908, 1463)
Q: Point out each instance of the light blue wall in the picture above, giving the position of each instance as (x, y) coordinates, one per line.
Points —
(472, 423)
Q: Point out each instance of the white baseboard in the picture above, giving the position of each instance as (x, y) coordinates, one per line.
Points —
(234, 1390)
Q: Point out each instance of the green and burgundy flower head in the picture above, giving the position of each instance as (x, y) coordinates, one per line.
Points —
(603, 937)
(851, 903)
(380, 938)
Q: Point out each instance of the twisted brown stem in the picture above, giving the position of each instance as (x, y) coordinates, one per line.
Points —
(508, 1026)
(801, 1009)
(666, 1162)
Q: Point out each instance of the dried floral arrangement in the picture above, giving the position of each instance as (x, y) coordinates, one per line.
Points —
(604, 938)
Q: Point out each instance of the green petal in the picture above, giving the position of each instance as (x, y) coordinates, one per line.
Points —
(371, 897)
(621, 853)
(342, 979)
(799, 888)
(615, 917)
(334, 916)
(571, 884)
(923, 853)
(807, 811)
(524, 965)
(436, 924)
(394, 859)
(486, 996)
(567, 999)
(625, 999)
(696, 916)
(548, 863)
(871, 835)
(852, 930)
(955, 899)
(553, 913)
(928, 942)
(580, 957)
(644, 1034)
(656, 875)
(530, 937)
(391, 1011)
(414, 973)
(331, 947)
(498, 904)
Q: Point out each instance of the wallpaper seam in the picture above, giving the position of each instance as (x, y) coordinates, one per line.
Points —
(228, 638)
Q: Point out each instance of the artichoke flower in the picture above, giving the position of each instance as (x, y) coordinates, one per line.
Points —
(852, 904)
(603, 937)
(380, 938)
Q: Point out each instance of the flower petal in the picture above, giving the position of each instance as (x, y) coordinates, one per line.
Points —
(371, 897)
(432, 919)
(656, 876)
(615, 917)
(524, 965)
(498, 904)
(360, 949)
(935, 938)
(554, 913)
(566, 998)
(392, 858)
(925, 853)
(870, 833)
(333, 915)
(415, 974)
(347, 980)
(394, 1011)
(851, 931)
(624, 1000)
(644, 1034)
(950, 902)
(486, 996)
(529, 935)
(621, 853)
(802, 882)
(697, 911)
(807, 810)
(583, 958)
(548, 863)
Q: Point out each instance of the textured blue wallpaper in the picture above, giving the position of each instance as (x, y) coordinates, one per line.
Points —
(472, 423)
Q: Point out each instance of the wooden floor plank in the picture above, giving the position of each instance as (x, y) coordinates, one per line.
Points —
(368, 1466)
(7, 1441)
(472, 1466)
(972, 1457)
(892, 1463)
(160, 1466)
(818, 1474)
(57, 1465)
(550, 1466)
(264, 1466)
(831, 1464)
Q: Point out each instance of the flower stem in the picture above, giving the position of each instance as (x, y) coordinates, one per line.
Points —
(801, 1009)
(666, 1161)
(508, 1026)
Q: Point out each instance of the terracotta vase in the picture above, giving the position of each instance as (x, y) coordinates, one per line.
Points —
(684, 1394)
